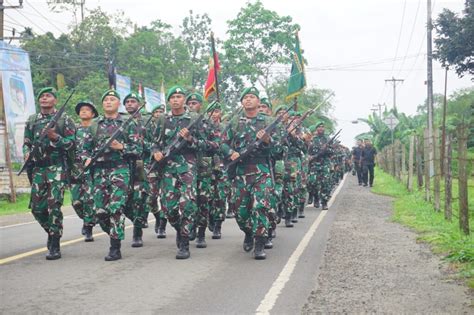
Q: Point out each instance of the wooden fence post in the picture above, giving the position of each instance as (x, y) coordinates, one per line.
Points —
(410, 163)
(396, 148)
(448, 212)
(426, 163)
(419, 162)
(404, 162)
(437, 172)
(462, 178)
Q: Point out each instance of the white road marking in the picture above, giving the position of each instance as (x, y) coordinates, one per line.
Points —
(31, 222)
(278, 285)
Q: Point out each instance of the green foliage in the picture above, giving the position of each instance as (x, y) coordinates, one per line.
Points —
(445, 238)
(21, 205)
(259, 39)
(455, 44)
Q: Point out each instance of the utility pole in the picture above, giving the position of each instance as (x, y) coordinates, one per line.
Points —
(429, 83)
(379, 107)
(2, 106)
(394, 82)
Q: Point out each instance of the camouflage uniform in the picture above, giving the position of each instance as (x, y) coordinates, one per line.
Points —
(49, 171)
(111, 173)
(252, 186)
(319, 168)
(179, 182)
(81, 188)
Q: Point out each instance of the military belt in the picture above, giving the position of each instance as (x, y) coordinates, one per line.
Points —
(47, 163)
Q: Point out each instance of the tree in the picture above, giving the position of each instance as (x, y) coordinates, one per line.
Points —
(259, 40)
(455, 44)
(195, 31)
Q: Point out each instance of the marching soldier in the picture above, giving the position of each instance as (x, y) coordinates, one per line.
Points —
(368, 162)
(111, 171)
(204, 172)
(136, 206)
(319, 166)
(48, 171)
(251, 184)
(154, 178)
(179, 170)
(81, 188)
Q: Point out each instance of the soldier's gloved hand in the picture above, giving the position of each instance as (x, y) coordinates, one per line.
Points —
(184, 133)
(234, 156)
(52, 135)
(307, 137)
(26, 156)
(158, 156)
(263, 135)
(116, 145)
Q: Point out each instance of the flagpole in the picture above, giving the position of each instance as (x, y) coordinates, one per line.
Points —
(214, 55)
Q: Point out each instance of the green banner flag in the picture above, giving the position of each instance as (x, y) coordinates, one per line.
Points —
(297, 81)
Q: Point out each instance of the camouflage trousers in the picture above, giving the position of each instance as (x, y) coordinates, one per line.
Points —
(220, 186)
(251, 196)
(136, 206)
(153, 206)
(82, 200)
(204, 199)
(47, 194)
(110, 196)
(292, 185)
(319, 182)
(178, 200)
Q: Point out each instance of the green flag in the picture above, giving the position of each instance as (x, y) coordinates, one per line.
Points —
(297, 81)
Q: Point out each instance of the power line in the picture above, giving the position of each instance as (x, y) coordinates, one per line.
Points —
(54, 25)
(400, 32)
(40, 28)
(411, 34)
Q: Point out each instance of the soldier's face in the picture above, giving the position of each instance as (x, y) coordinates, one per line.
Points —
(216, 115)
(262, 108)
(284, 114)
(47, 101)
(320, 130)
(157, 113)
(250, 101)
(111, 104)
(194, 106)
(131, 105)
(177, 101)
(86, 113)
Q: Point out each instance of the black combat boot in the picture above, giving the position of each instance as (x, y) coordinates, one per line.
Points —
(48, 243)
(310, 198)
(229, 214)
(192, 234)
(273, 234)
(301, 212)
(259, 252)
(294, 217)
(157, 222)
(248, 242)
(316, 203)
(201, 238)
(216, 234)
(88, 237)
(268, 241)
(162, 229)
(288, 223)
(183, 250)
(178, 237)
(211, 224)
(114, 250)
(324, 205)
(145, 223)
(137, 237)
(54, 248)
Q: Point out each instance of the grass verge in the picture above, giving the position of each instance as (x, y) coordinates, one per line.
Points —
(445, 237)
(21, 204)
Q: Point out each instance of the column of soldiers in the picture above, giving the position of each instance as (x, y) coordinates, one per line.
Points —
(177, 165)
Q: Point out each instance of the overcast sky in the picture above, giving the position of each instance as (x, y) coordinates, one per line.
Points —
(351, 46)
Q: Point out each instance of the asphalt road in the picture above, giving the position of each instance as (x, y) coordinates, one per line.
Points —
(221, 279)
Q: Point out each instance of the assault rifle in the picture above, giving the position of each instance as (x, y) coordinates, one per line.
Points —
(325, 147)
(176, 145)
(112, 137)
(255, 144)
(37, 144)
